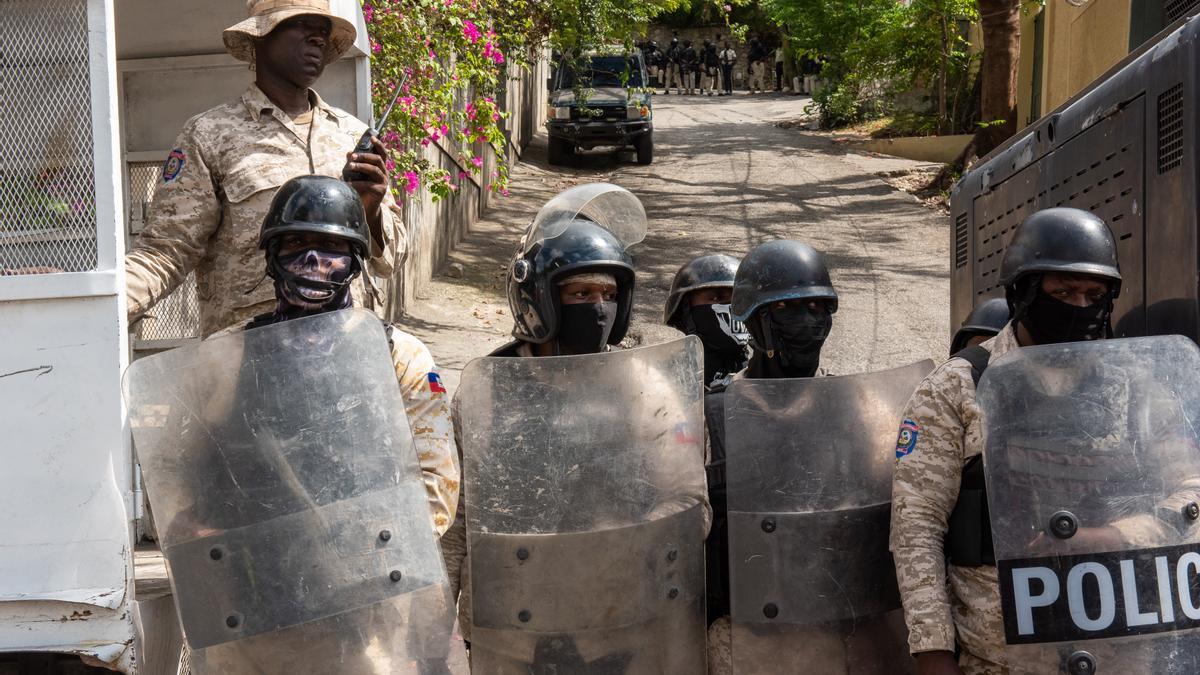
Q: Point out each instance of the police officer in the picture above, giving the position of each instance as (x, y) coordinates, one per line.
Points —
(1061, 277)
(674, 52)
(653, 57)
(984, 322)
(217, 182)
(783, 294)
(315, 238)
(698, 304)
(570, 293)
(689, 67)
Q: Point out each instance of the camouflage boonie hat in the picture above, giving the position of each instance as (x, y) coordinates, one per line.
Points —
(266, 15)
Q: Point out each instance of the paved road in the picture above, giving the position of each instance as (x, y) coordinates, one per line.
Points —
(725, 179)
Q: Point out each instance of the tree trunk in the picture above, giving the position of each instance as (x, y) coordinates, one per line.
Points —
(943, 75)
(1001, 22)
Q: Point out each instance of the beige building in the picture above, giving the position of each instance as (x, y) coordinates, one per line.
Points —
(1066, 44)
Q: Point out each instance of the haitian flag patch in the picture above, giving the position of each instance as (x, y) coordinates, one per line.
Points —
(435, 384)
(907, 441)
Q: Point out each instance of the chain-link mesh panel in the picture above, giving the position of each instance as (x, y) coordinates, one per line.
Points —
(47, 193)
(177, 316)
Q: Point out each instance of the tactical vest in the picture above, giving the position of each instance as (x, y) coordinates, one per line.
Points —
(968, 540)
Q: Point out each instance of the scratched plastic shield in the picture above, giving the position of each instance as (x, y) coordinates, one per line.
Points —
(1093, 476)
(290, 505)
(585, 484)
(809, 471)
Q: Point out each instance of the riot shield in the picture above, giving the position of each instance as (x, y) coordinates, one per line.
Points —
(1093, 480)
(585, 494)
(809, 469)
(290, 505)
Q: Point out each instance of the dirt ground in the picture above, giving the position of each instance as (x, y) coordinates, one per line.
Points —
(725, 179)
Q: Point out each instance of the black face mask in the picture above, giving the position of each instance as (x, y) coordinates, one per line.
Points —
(584, 328)
(1052, 321)
(797, 335)
(724, 340)
(715, 327)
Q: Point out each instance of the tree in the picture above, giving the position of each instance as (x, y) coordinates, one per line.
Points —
(1001, 23)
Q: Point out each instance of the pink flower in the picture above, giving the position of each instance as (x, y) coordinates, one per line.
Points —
(463, 174)
(368, 12)
(477, 161)
(445, 130)
(376, 47)
(471, 31)
(492, 52)
(411, 182)
(728, 8)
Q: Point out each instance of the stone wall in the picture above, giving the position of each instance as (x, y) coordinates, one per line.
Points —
(434, 228)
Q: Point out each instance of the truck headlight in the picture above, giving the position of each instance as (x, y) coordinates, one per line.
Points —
(637, 111)
(558, 112)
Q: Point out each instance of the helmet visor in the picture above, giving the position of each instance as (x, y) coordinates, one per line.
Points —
(611, 207)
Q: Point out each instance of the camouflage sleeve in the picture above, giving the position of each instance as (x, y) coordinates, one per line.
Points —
(428, 411)
(183, 216)
(929, 460)
(383, 261)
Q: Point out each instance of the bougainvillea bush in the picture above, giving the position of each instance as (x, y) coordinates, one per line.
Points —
(450, 58)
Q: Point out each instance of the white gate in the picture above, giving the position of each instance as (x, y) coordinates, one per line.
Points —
(66, 487)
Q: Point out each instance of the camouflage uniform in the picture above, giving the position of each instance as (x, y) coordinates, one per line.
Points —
(429, 417)
(940, 598)
(215, 189)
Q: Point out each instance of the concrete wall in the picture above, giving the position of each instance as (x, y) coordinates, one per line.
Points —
(943, 149)
(434, 228)
(1081, 43)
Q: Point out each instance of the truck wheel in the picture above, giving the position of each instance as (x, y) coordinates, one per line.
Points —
(645, 149)
(560, 151)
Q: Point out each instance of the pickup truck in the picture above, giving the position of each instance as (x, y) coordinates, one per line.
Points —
(600, 101)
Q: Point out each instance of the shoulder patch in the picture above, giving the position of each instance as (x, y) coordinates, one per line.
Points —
(174, 165)
(435, 384)
(907, 441)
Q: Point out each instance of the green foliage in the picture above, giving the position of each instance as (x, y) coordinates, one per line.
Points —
(871, 51)
(452, 57)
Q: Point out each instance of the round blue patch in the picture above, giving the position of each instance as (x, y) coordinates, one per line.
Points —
(907, 441)
(174, 165)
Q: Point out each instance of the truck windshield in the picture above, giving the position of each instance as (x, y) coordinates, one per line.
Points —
(603, 71)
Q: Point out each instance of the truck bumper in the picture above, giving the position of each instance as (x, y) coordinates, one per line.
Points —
(592, 134)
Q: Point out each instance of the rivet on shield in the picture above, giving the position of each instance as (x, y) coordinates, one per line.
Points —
(673, 593)
(524, 616)
(1192, 511)
(672, 555)
(1081, 663)
(395, 575)
(522, 554)
(385, 535)
(216, 553)
(1064, 524)
(770, 610)
(768, 525)
(233, 621)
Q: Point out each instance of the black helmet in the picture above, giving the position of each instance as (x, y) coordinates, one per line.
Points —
(709, 271)
(586, 228)
(987, 318)
(1063, 240)
(317, 204)
(532, 284)
(780, 270)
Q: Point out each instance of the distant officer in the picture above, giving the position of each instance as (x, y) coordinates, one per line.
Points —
(712, 65)
(674, 53)
(728, 59)
(1060, 276)
(689, 67)
(653, 56)
(985, 320)
(217, 182)
(784, 296)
